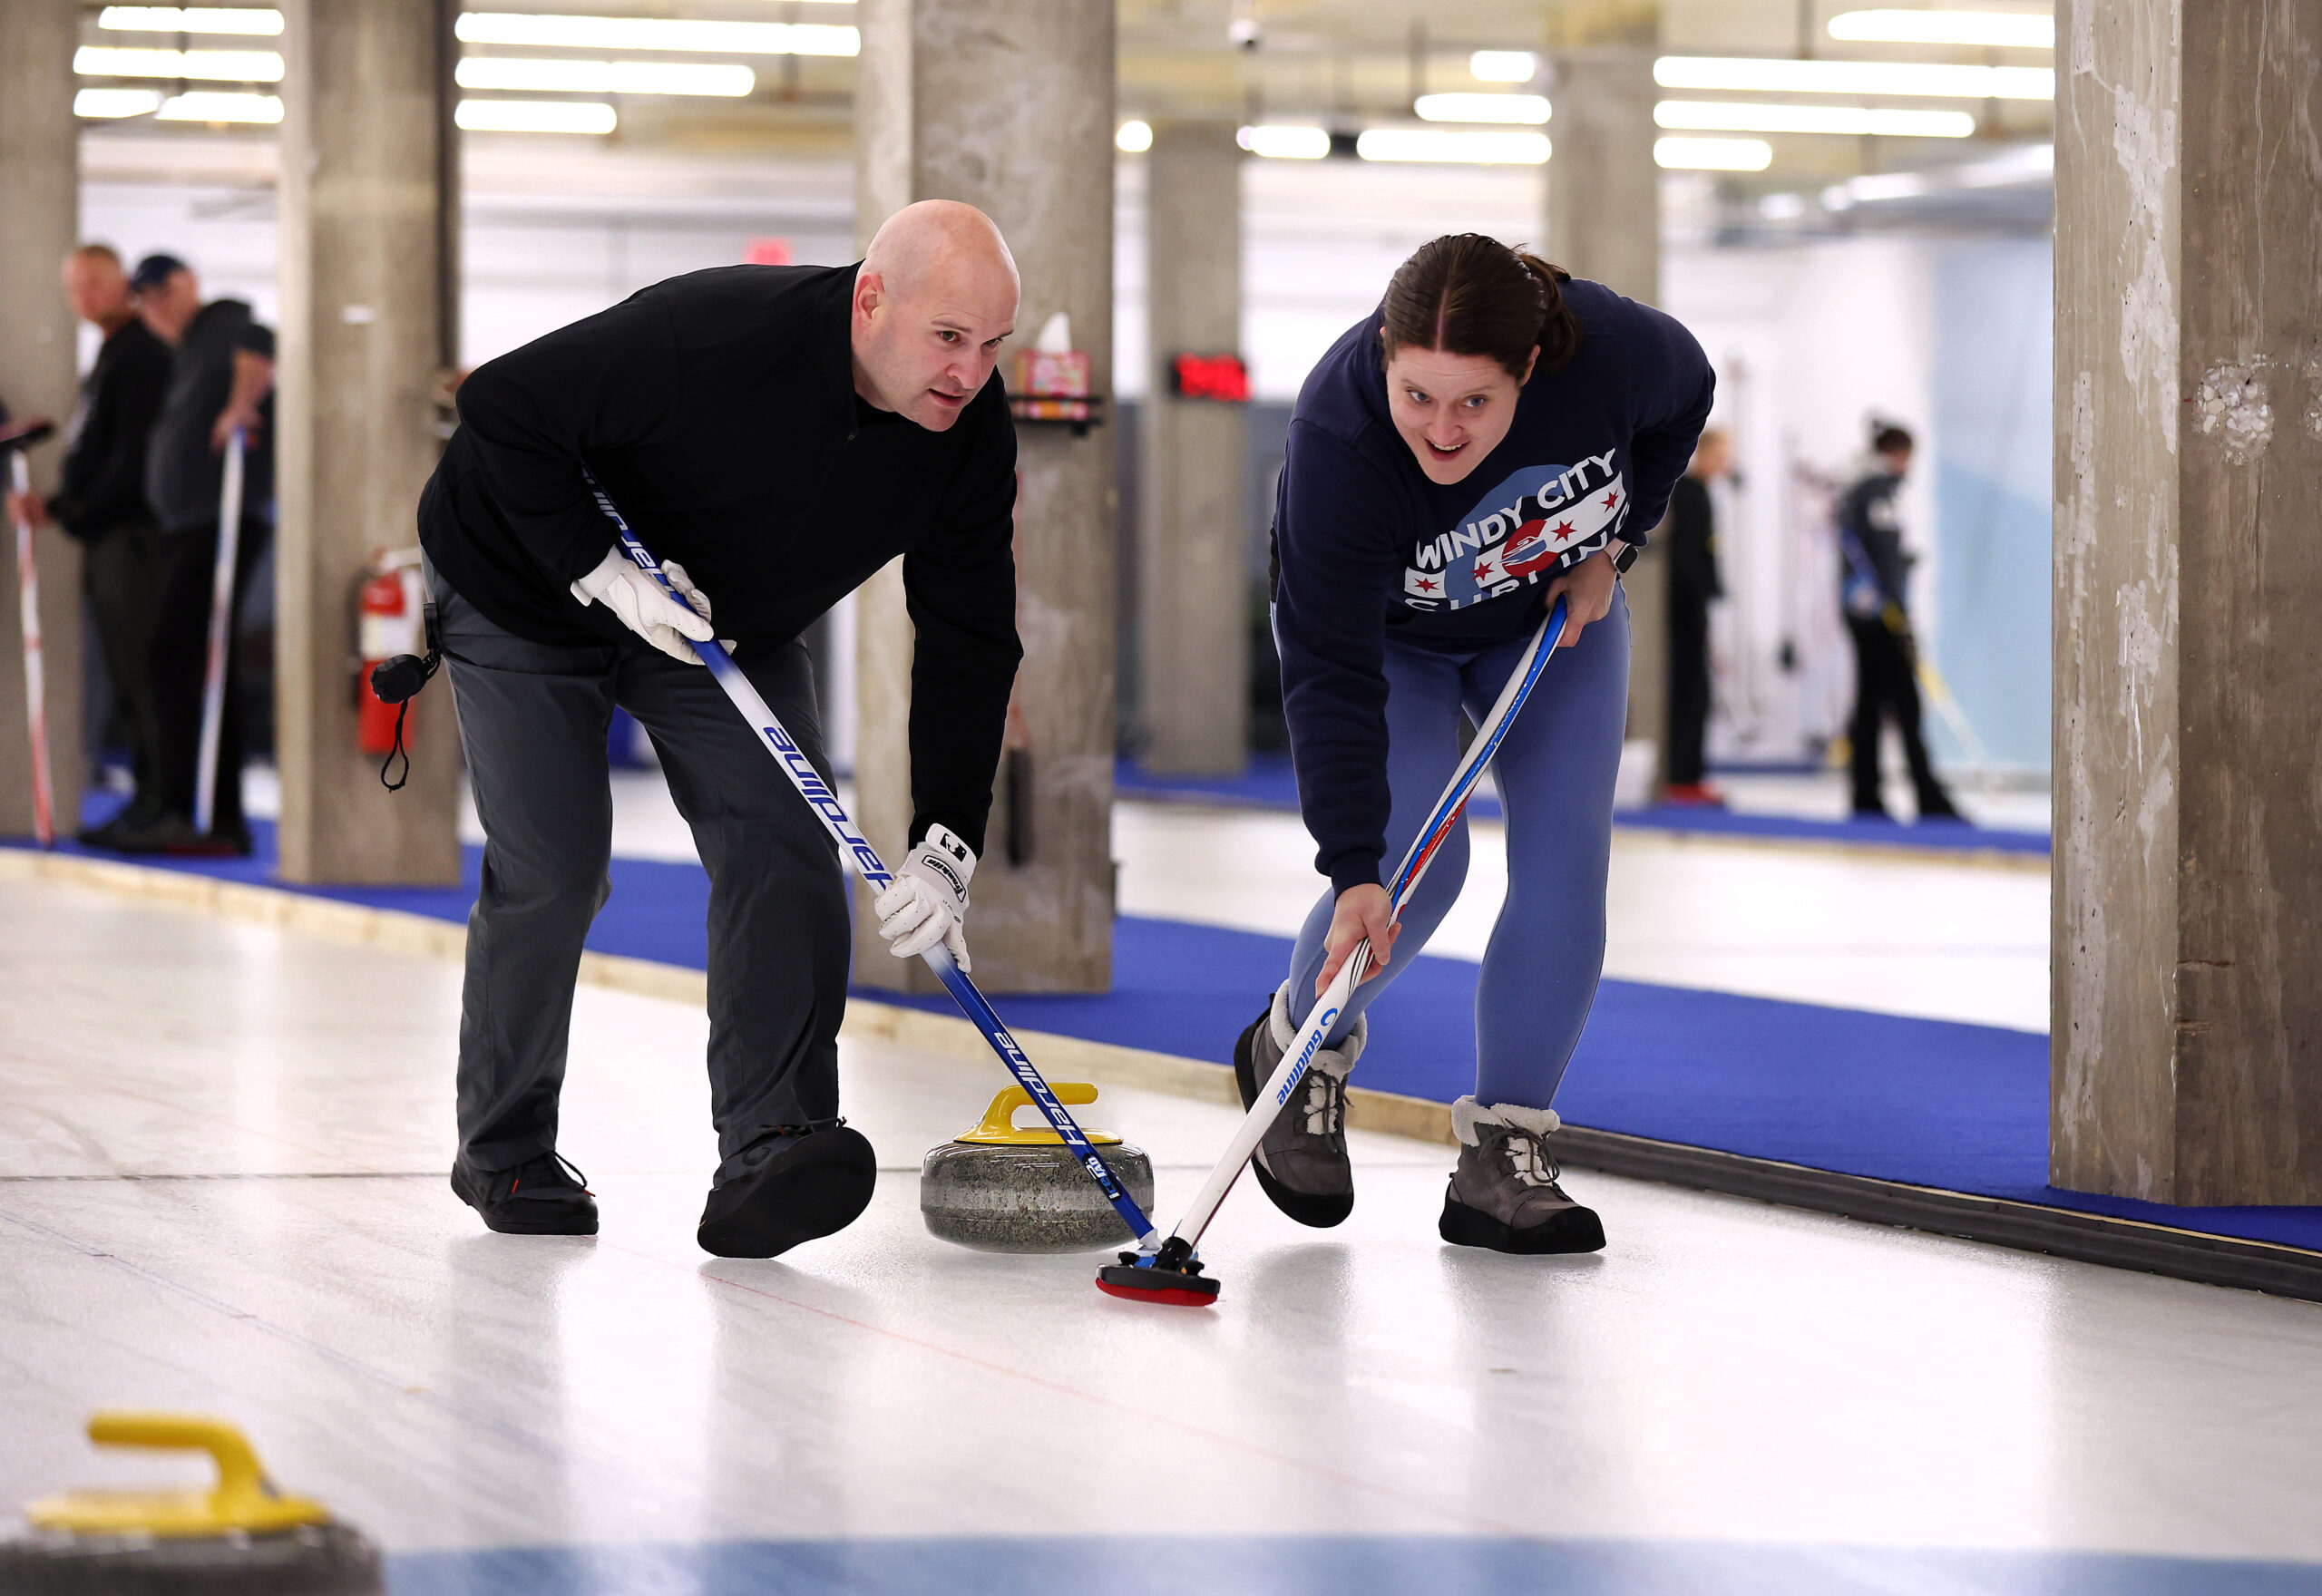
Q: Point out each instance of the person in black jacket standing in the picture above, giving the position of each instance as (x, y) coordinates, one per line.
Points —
(775, 435)
(1873, 570)
(1692, 584)
(221, 382)
(100, 501)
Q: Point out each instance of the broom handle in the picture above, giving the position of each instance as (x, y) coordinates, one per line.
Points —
(1268, 1105)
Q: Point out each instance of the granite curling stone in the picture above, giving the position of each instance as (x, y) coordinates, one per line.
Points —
(243, 1536)
(999, 1189)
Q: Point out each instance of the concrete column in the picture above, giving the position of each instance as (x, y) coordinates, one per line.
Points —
(40, 211)
(1008, 105)
(2187, 1052)
(1192, 532)
(1604, 224)
(361, 342)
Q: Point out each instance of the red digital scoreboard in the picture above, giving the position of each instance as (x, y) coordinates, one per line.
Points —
(1222, 377)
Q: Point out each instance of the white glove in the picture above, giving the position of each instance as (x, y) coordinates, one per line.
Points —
(636, 598)
(928, 901)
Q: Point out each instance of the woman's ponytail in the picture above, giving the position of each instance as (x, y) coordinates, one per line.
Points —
(1559, 328)
(1465, 294)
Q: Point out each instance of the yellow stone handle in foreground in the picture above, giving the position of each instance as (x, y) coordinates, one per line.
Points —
(243, 1499)
(999, 1129)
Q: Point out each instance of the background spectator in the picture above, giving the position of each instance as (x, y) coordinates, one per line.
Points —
(222, 380)
(1873, 574)
(100, 500)
(1693, 583)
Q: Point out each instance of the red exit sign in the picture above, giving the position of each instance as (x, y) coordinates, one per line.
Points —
(1211, 377)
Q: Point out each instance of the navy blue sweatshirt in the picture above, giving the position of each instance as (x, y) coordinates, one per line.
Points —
(1366, 546)
(1873, 570)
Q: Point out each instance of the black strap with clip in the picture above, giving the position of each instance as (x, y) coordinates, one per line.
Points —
(397, 681)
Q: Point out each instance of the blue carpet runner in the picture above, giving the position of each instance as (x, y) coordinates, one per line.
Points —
(1268, 784)
(1931, 1102)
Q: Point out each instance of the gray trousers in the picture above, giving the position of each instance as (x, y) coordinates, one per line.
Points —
(533, 719)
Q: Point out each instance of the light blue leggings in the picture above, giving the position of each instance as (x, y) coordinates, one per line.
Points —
(1556, 771)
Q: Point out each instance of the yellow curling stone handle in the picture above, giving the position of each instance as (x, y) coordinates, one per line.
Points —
(244, 1498)
(999, 1129)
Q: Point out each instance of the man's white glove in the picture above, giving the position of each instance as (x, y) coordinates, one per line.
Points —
(928, 901)
(636, 598)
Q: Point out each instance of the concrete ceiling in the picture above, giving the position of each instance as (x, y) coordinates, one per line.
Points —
(1354, 58)
(1347, 63)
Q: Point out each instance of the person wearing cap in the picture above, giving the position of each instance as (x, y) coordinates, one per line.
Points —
(221, 382)
(100, 501)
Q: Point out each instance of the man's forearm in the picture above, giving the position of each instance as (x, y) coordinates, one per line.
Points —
(253, 380)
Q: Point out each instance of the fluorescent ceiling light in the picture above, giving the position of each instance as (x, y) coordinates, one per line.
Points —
(1874, 187)
(1713, 154)
(2026, 164)
(1133, 138)
(1531, 110)
(1448, 147)
(112, 102)
(606, 77)
(209, 66)
(1757, 75)
(1730, 116)
(1277, 143)
(535, 116)
(209, 105)
(2023, 30)
(726, 80)
(190, 19)
(1889, 185)
(655, 32)
(1503, 66)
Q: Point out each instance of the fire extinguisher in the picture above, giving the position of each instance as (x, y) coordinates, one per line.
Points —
(388, 622)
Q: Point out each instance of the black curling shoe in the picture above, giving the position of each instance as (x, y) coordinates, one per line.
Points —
(790, 1186)
(546, 1197)
(1300, 1161)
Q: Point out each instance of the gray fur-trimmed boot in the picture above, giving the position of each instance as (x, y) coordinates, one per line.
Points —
(1504, 1194)
(1301, 1161)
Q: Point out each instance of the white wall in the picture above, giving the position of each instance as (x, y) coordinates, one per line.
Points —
(1808, 340)
(1950, 338)
(550, 240)
(225, 231)
(1320, 239)
(556, 230)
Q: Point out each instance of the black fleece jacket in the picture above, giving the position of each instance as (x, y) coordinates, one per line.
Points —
(101, 485)
(718, 411)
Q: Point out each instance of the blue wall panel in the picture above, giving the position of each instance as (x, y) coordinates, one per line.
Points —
(1993, 374)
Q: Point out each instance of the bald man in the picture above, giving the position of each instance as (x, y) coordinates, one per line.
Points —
(100, 500)
(775, 434)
